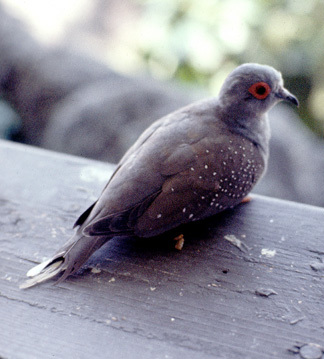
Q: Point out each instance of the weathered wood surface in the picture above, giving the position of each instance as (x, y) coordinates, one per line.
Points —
(143, 299)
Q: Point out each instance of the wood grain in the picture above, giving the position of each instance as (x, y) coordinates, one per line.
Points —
(261, 297)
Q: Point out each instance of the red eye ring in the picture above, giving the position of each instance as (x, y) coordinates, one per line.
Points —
(260, 90)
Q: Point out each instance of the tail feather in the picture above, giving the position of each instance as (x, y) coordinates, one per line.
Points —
(67, 260)
(43, 272)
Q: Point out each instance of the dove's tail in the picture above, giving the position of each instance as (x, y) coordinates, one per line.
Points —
(67, 259)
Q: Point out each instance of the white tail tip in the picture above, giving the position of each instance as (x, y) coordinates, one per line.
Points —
(42, 272)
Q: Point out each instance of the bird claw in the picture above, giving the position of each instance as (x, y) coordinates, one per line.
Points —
(180, 242)
(246, 199)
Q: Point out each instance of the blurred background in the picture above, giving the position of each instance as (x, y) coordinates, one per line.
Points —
(193, 44)
(196, 42)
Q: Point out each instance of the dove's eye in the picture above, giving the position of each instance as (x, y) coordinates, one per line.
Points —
(260, 90)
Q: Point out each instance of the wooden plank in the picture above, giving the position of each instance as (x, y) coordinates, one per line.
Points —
(140, 298)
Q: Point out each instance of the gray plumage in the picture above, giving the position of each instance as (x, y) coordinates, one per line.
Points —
(187, 166)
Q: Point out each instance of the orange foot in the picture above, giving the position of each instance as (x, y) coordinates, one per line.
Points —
(246, 199)
(180, 242)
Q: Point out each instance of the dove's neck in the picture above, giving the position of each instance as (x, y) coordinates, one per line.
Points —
(255, 129)
(257, 132)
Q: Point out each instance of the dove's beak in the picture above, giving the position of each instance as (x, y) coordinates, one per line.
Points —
(285, 95)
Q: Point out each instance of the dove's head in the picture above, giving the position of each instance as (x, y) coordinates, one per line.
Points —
(252, 89)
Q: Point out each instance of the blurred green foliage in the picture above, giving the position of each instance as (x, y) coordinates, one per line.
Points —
(200, 41)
